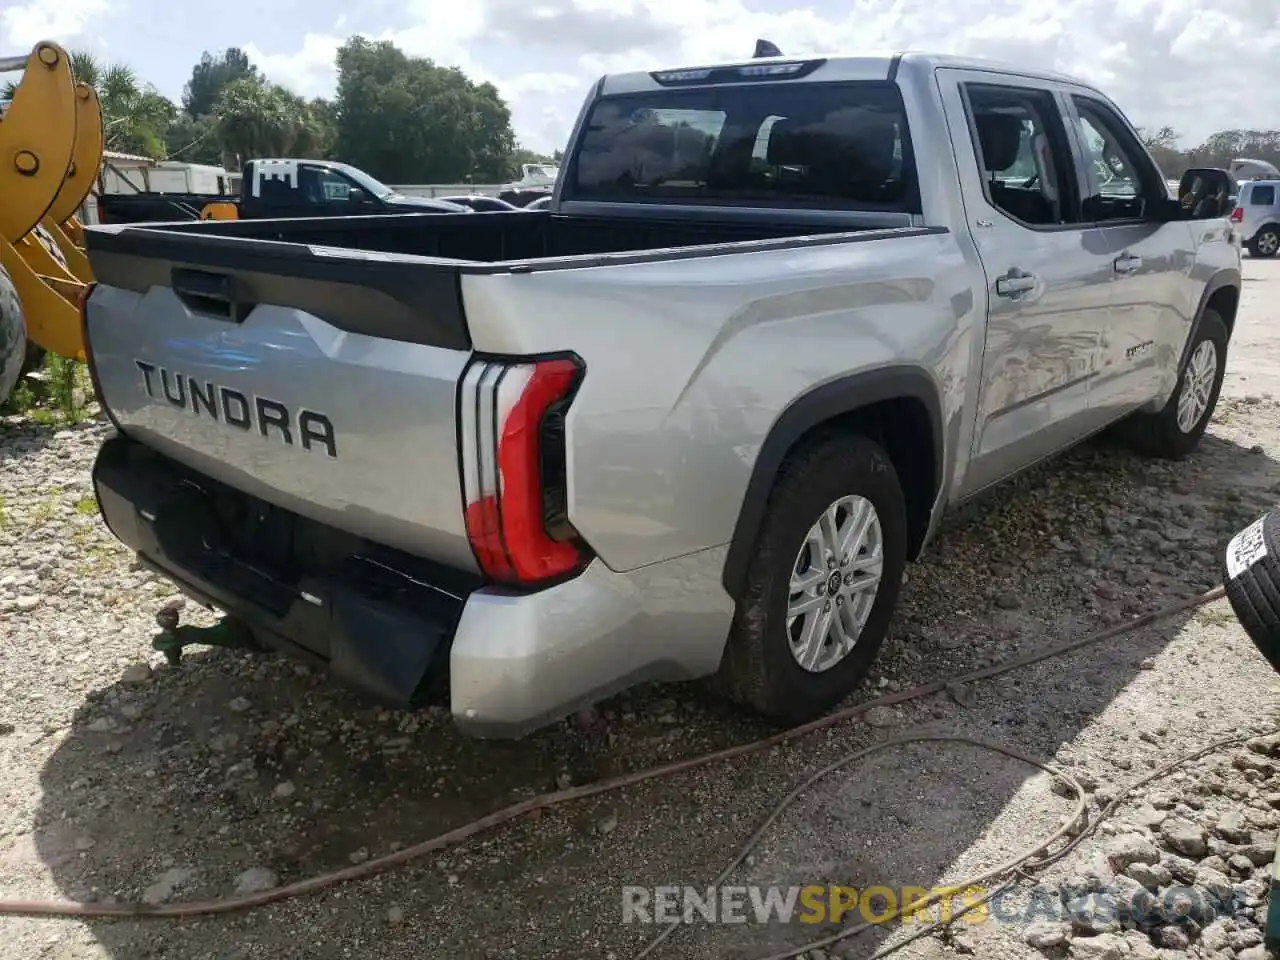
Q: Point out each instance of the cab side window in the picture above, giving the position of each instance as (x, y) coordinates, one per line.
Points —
(1262, 195)
(1023, 153)
(324, 188)
(1123, 179)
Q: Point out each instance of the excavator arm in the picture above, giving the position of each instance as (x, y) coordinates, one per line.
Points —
(51, 143)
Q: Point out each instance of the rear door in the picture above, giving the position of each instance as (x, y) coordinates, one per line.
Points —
(1048, 273)
(1153, 298)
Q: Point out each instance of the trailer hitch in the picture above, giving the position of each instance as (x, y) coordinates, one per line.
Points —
(229, 632)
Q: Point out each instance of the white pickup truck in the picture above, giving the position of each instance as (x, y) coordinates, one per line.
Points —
(689, 421)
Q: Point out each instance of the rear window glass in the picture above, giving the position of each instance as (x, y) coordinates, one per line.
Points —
(1262, 196)
(842, 145)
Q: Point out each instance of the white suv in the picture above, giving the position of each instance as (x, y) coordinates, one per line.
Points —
(1257, 217)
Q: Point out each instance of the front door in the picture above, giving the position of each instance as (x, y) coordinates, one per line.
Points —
(1048, 271)
(1153, 297)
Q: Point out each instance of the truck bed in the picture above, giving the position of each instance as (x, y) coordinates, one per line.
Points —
(488, 242)
(400, 277)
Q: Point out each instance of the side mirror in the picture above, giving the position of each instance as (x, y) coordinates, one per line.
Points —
(356, 195)
(1205, 193)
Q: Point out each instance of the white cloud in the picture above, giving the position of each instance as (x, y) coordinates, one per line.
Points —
(24, 25)
(1191, 64)
(308, 71)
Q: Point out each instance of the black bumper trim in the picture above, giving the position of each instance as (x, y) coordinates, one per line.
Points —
(382, 622)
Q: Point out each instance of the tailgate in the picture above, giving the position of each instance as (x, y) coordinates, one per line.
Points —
(321, 381)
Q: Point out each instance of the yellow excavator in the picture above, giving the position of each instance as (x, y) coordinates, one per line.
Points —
(51, 142)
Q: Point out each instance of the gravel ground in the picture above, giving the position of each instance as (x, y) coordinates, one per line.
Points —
(124, 778)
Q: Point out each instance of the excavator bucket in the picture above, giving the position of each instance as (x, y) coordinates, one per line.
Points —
(69, 253)
(61, 225)
(51, 143)
(49, 305)
(37, 138)
(86, 158)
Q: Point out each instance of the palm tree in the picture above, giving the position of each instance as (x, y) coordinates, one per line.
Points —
(259, 119)
(134, 115)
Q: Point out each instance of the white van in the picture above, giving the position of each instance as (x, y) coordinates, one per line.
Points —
(1257, 217)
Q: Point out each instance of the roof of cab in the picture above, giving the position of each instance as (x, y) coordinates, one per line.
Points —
(844, 67)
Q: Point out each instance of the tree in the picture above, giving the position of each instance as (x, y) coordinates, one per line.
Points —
(135, 116)
(193, 140)
(211, 76)
(405, 119)
(1163, 144)
(254, 118)
(316, 130)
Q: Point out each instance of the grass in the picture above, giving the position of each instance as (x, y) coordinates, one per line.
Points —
(54, 394)
(44, 512)
(1215, 617)
(96, 560)
(87, 506)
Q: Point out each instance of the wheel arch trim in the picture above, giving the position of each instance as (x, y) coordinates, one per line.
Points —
(812, 409)
(1227, 277)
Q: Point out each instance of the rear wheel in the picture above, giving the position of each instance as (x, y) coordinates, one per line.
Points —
(13, 337)
(823, 584)
(1266, 243)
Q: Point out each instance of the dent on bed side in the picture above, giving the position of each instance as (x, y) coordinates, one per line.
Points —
(823, 405)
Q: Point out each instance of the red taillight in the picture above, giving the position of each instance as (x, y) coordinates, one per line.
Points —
(514, 474)
(1237, 215)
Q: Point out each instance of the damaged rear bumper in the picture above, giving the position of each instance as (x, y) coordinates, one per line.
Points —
(405, 630)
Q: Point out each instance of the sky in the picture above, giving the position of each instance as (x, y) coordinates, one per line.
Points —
(1196, 65)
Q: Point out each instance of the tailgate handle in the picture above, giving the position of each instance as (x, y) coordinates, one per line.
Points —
(212, 294)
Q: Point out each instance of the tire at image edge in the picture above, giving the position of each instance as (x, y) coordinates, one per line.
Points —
(13, 337)
(1254, 589)
(759, 670)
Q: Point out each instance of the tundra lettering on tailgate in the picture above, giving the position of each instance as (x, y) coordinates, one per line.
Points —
(230, 406)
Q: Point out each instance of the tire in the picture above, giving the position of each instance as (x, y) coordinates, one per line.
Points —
(13, 337)
(1166, 435)
(759, 669)
(1265, 243)
(1251, 575)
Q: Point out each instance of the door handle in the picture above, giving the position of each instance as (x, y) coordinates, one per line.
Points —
(1014, 282)
(1126, 263)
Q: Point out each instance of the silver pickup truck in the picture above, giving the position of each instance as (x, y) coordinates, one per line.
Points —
(688, 422)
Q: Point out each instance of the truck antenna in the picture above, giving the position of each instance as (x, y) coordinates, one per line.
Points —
(765, 49)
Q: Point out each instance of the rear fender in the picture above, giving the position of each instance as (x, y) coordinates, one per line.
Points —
(819, 406)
